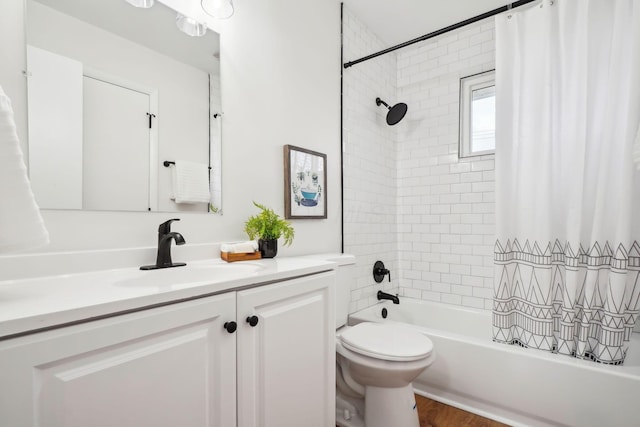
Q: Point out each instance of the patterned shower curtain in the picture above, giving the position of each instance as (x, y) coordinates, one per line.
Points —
(567, 255)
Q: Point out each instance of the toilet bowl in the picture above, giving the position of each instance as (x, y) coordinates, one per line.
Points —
(375, 362)
(375, 366)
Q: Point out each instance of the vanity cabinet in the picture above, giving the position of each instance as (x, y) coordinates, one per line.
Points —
(177, 365)
(168, 366)
(286, 362)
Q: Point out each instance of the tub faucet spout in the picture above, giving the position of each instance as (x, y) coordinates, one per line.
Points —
(384, 295)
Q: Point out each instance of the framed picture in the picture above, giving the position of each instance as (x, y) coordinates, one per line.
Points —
(305, 183)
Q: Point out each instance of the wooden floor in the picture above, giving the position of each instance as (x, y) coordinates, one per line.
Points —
(436, 414)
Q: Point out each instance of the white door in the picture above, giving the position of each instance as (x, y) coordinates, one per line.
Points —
(286, 362)
(116, 147)
(170, 366)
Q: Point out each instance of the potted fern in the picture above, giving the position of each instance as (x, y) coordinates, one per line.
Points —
(268, 227)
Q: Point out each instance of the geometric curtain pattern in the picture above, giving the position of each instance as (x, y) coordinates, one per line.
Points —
(566, 299)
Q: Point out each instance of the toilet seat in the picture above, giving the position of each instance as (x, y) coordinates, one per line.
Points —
(386, 342)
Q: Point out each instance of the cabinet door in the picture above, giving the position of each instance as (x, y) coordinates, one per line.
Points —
(286, 362)
(169, 366)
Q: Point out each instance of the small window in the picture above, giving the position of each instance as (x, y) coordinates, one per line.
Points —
(477, 114)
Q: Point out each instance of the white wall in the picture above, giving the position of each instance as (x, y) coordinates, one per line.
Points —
(55, 137)
(280, 85)
(370, 162)
(280, 67)
(409, 199)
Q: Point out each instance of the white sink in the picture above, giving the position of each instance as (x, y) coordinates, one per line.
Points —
(191, 274)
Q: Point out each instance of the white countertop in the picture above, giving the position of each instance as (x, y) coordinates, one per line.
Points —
(44, 302)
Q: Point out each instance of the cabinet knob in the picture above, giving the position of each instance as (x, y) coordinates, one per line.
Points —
(252, 320)
(231, 327)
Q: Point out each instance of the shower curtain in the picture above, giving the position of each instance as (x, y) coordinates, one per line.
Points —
(567, 255)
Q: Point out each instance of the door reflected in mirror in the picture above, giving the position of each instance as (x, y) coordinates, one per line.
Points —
(115, 91)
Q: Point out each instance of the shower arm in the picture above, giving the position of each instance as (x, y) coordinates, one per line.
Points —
(380, 101)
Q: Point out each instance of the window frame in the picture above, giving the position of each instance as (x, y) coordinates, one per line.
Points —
(468, 84)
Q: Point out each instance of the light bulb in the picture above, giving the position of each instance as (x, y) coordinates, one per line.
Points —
(220, 9)
(190, 26)
(144, 4)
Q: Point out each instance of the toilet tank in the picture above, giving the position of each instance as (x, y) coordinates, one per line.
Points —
(345, 276)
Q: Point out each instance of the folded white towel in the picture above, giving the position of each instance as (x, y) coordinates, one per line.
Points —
(190, 182)
(240, 247)
(21, 225)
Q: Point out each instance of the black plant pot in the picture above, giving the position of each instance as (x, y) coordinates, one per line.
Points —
(268, 247)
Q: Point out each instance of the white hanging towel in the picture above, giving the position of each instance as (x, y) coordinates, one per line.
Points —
(190, 182)
(21, 225)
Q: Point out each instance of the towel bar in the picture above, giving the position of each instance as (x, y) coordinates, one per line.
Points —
(167, 163)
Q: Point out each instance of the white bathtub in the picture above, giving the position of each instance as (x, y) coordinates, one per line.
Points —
(520, 387)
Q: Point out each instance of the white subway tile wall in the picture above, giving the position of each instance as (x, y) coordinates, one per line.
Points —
(445, 204)
(409, 200)
(370, 164)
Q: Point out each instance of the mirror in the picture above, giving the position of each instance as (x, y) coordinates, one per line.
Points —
(115, 93)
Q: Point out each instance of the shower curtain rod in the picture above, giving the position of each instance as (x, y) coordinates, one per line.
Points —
(441, 31)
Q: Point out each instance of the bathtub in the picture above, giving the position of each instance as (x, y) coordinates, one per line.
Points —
(516, 386)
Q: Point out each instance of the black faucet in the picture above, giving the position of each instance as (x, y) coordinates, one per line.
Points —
(165, 235)
(384, 295)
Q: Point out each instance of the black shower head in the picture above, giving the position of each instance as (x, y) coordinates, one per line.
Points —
(396, 113)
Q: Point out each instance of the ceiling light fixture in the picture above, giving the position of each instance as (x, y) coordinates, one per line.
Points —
(144, 4)
(221, 9)
(190, 26)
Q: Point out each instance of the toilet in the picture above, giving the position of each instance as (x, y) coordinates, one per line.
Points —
(375, 364)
